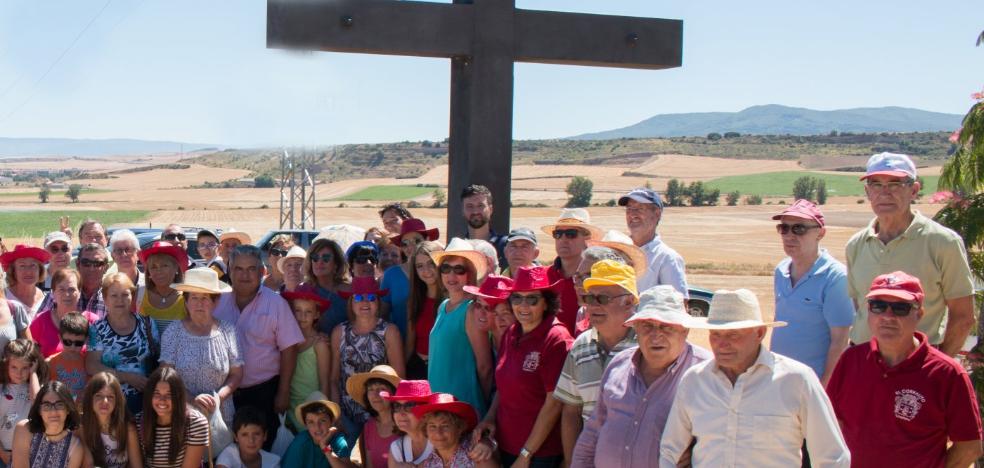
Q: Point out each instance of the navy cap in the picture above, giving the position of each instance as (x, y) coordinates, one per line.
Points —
(521, 233)
(358, 247)
(641, 195)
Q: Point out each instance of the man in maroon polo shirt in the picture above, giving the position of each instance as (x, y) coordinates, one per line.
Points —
(899, 399)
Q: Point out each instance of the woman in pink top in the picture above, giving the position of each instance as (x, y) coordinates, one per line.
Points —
(380, 431)
(65, 290)
(25, 269)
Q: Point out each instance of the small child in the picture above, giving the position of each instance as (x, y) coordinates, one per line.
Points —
(68, 366)
(314, 354)
(249, 430)
(321, 444)
(21, 371)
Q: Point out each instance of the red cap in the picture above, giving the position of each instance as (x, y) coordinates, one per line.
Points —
(532, 278)
(494, 289)
(898, 284)
(25, 251)
(803, 209)
(307, 295)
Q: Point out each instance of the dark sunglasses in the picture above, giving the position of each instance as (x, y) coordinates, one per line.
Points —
(173, 236)
(278, 252)
(457, 269)
(599, 299)
(568, 233)
(798, 229)
(899, 309)
(404, 407)
(323, 258)
(531, 300)
(363, 259)
(78, 344)
(56, 249)
(364, 297)
(92, 263)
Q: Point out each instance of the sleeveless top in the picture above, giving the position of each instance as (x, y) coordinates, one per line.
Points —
(401, 449)
(358, 354)
(451, 366)
(377, 448)
(50, 454)
(422, 328)
(163, 317)
(304, 382)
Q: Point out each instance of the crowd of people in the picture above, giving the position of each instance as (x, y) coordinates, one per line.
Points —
(401, 350)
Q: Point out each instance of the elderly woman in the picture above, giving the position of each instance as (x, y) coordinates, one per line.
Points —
(327, 273)
(122, 343)
(426, 293)
(448, 424)
(44, 328)
(278, 248)
(380, 430)
(204, 350)
(125, 250)
(362, 257)
(292, 268)
(460, 354)
(397, 280)
(165, 264)
(25, 269)
(360, 344)
(524, 410)
(59, 246)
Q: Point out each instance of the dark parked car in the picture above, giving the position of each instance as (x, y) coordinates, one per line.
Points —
(302, 238)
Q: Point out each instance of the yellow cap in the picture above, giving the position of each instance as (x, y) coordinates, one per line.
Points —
(610, 272)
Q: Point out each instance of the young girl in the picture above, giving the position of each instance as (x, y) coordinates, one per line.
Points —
(413, 447)
(107, 431)
(19, 384)
(172, 434)
(426, 293)
(45, 438)
(314, 356)
(249, 429)
(380, 431)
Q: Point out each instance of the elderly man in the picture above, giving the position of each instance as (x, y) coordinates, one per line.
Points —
(521, 250)
(810, 288)
(609, 300)
(268, 334)
(749, 406)
(571, 232)
(899, 400)
(638, 386)
(643, 212)
(902, 239)
(476, 208)
(59, 245)
(92, 232)
(92, 264)
(124, 248)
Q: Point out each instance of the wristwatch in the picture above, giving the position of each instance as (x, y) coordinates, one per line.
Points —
(525, 453)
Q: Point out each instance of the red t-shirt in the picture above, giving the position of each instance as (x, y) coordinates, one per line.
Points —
(525, 376)
(903, 415)
(568, 296)
(422, 329)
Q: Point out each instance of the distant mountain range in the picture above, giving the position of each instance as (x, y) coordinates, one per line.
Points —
(781, 120)
(40, 147)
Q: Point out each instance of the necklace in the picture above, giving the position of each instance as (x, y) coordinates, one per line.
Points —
(53, 436)
(164, 298)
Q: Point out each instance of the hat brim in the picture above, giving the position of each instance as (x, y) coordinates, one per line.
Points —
(242, 237)
(34, 253)
(417, 398)
(702, 323)
(896, 293)
(797, 215)
(430, 234)
(477, 292)
(336, 411)
(521, 237)
(476, 258)
(348, 294)
(679, 318)
(594, 232)
(888, 173)
(322, 303)
(355, 385)
(635, 254)
(458, 408)
(194, 288)
(591, 282)
(624, 200)
(173, 251)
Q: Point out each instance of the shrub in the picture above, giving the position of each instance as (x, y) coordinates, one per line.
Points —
(754, 200)
(732, 198)
(675, 191)
(821, 192)
(579, 192)
(263, 181)
(73, 192)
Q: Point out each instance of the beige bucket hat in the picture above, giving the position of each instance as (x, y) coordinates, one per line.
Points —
(733, 310)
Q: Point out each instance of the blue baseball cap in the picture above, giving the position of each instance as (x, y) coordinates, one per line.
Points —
(642, 195)
(892, 164)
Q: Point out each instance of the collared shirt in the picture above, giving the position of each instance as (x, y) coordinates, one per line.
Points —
(811, 307)
(903, 415)
(581, 377)
(265, 327)
(664, 266)
(567, 295)
(760, 420)
(926, 250)
(624, 429)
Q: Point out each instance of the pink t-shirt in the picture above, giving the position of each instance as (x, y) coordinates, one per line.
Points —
(265, 327)
(45, 332)
(377, 448)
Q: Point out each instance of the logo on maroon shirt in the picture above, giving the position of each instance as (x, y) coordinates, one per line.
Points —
(908, 402)
(531, 362)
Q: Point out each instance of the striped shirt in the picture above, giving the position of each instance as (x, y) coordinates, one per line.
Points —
(196, 433)
(581, 377)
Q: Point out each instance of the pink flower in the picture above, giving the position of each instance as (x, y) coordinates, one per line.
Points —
(978, 96)
(941, 197)
(955, 136)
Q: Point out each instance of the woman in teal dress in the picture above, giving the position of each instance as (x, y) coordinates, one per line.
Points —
(314, 356)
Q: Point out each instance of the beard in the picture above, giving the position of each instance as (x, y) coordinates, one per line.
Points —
(476, 222)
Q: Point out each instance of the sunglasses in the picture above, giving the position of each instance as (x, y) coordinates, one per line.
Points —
(278, 252)
(531, 300)
(55, 249)
(77, 344)
(364, 297)
(798, 229)
(599, 299)
(457, 269)
(363, 259)
(568, 233)
(899, 309)
(85, 262)
(404, 407)
(173, 236)
(323, 258)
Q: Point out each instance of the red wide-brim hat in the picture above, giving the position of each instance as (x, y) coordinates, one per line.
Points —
(322, 303)
(364, 285)
(409, 390)
(447, 402)
(494, 289)
(532, 278)
(24, 251)
(166, 248)
(415, 225)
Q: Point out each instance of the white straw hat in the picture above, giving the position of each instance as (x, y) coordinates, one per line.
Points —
(732, 310)
(294, 252)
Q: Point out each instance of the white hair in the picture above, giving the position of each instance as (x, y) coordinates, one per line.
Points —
(124, 235)
(487, 249)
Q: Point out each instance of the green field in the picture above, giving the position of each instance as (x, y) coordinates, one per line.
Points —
(36, 223)
(387, 192)
(54, 193)
(780, 184)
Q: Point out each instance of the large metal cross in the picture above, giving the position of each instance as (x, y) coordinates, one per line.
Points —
(483, 38)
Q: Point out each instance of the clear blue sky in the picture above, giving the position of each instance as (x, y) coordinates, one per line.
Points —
(198, 71)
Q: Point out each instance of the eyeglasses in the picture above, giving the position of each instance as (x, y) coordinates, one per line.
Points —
(404, 407)
(323, 258)
(599, 299)
(798, 229)
(172, 236)
(77, 344)
(56, 406)
(568, 233)
(363, 259)
(55, 249)
(892, 187)
(278, 252)
(207, 245)
(124, 251)
(899, 309)
(85, 262)
(519, 299)
(370, 297)
(457, 269)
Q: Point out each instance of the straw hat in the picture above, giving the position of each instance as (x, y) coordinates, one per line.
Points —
(459, 247)
(166, 248)
(733, 310)
(293, 252)
(232, 233)
(447, 402)
(574, 218)
(494, 290)
(622, 243)
(202, 280)
(356, 384)
(662, 303)
(317, 397)
(25, 251)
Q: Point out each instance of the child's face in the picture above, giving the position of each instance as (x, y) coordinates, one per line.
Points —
(72, 343)
(306, 312)
(104, 402)
(318, 425)
(18, 370)
(161, 399)
(250, 439)
(372, 395)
